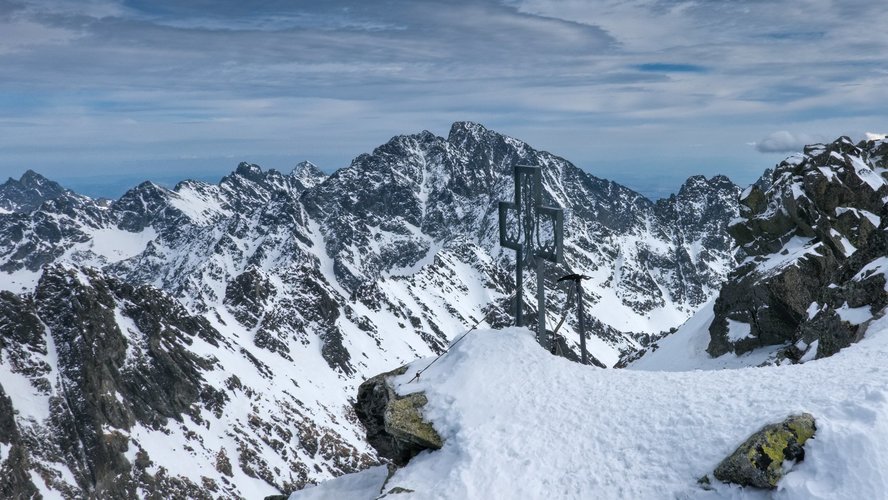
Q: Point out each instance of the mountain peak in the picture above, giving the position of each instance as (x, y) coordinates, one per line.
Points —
(308, 174)
(28, 193)
(31, 178)
(461, 131)
(248, 170)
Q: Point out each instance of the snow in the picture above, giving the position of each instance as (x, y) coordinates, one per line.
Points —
(796, 248)
(116, 244)
(19, 281)
(199, 201)
(877, 266)
(847, 248)
(685, 349)
(874, 219)
(866, 174)
(520, 423)
(813, 309)
(30, 403)
(854, 315)
(362, 485)
(738, 330)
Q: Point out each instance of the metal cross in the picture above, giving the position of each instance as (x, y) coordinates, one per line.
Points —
(527, 242)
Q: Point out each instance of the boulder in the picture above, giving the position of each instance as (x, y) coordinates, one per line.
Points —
(759, 461)
(395, 425)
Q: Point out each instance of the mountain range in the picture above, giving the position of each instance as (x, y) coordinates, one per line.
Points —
(207, 340)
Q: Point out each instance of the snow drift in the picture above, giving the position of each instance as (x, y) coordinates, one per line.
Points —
(519, 423)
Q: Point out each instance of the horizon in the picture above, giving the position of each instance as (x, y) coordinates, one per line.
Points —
(105, 93)
(114, 188)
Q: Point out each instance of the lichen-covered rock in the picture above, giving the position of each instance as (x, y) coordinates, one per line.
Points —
(403, 420)
(395, 425)
(759, 461)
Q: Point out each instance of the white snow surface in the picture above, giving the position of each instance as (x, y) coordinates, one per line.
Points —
(520, 423)
(115, 244)
(685, 349)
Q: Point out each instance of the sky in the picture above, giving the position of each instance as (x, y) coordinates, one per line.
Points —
(102, 94)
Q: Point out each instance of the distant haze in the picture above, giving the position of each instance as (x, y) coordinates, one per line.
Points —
(100, 95)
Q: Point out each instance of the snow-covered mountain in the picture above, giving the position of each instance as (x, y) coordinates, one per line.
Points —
(269, 296)
(27, 193)
(776, 388)
(813, 277)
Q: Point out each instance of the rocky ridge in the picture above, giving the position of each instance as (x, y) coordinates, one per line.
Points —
(816, 249)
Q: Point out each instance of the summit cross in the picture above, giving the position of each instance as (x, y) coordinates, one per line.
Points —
(525, 238)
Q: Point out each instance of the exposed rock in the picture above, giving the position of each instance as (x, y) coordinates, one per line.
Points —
(15, 482)
(28, 193)
(812, 237)
(394, 424)
(760, 460)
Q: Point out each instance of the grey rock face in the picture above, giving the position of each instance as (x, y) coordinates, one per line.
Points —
(697, 218)
(28, 193)
(759, 461)
(394, 424)
(15, 482)
(807, 238)
(124, 366)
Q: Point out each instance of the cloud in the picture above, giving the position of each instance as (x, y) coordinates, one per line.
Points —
(870, 136)
(104, 81)
(670, 68)
(784, 141)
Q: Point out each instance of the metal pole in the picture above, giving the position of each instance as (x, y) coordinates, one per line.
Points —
(519, 282)
(542, 337)
(582, 321)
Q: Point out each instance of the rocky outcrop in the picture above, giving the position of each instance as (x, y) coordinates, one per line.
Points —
(813, 239)
(759, 461)
(15, 482)
(394, 424)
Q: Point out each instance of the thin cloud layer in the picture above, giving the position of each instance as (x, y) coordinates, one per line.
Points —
(627, 90)
(785, 142)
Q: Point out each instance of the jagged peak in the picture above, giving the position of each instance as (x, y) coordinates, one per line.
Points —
(248, 170)
(308, 174)
(145, 188)
(462, 129)
(30, 178)
(306, 168)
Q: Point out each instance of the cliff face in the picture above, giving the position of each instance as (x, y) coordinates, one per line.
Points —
(112, 380)
(816, 245)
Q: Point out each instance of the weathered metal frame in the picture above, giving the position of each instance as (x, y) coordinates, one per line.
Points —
(553, 252)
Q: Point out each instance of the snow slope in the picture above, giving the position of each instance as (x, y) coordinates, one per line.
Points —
(685, 350)
(519, 423)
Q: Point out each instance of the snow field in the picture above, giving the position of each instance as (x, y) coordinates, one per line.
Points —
(520, 423)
